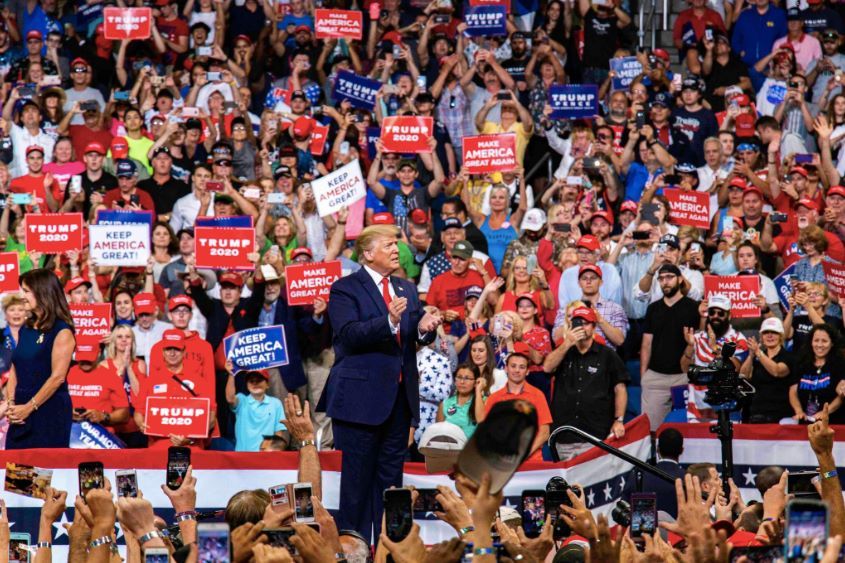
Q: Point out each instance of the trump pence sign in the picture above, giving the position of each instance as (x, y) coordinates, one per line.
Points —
(341, 188)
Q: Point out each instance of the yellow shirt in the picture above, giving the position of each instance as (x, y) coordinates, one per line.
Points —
(522, 138)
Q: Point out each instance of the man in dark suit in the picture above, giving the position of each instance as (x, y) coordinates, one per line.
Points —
(372, 394)
(670, 446)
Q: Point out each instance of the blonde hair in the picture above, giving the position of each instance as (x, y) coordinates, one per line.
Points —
(13, 299)
(367, 238)
(111, 349)
(516, 321)
(511, 281)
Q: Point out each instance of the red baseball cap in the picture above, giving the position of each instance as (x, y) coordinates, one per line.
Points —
(79, 61)
(419, 217)
(119, 147)
(73, 283)
(529, 296)
(739, 183)
(836, 190)
(231, 278)
(34, 34)
(589, 242)
(173, 338)
(242, 37)
(628, 206)
(303, 126)
(95, 147)
(144, 304)
(590, 268)
(520, 349)
(87, 351)
(34, 148)
(302, 27)
(743, 100)
(384, 218)
(752, 189)
(179, 301)
(262, 372)
(601, 214)
(662, 53)
(808, 203)
(301, 251)
(584, 313)
(799, 170)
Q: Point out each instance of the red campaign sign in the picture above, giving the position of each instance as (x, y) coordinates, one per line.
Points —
(92, 321)
(689, 208)
(127, 23)
(834, 275)
(339, 24)
(9, 272)
(319, 136)
(505, 3)
(305, 282)
(53, 233)
(224, 248)
(183, 416)
(741, 290)
(407, 133)
(485, 154)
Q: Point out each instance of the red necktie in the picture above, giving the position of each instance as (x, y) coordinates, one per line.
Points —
(385, 293)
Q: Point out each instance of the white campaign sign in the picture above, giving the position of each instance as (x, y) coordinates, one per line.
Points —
(341, 188)
(119, 245)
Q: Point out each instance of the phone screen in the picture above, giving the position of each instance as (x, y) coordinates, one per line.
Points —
(90, 476)
(806, 530)
(800, 484)
(156, 555)
(126, 483)
(533, 512)
(279, 498)
(758, 553)
(303, 504)
(213, 543)
(643, 514)
(178, 460)
(280, 537)
(426, 503)
(398, 513)
(18, 552)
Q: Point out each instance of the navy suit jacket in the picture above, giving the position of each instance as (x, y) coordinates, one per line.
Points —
(364, 380)
(666, 497)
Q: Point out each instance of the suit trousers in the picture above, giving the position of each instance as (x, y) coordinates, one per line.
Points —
(373, 457)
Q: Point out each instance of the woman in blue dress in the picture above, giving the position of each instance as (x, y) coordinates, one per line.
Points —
(500, 228)
(40, 410)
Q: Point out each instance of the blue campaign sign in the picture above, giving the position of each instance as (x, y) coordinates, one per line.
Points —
(373, 133)
(783, 285)
(625, 70)
(574, 101)
(486, 20)
(89, 436)
(121, 217)
(257, 348)
(360, 91)
(233, 221)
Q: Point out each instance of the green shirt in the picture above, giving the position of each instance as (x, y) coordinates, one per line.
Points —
(459, 415)
(24, 260)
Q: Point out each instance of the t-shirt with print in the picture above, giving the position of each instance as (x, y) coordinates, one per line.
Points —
(697, 126)
(99, 389)
(448, 290)
(601, 35)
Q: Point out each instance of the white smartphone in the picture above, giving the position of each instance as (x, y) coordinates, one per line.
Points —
(252, 193)
(156, 555)
(276, 197)
(303, 507)
(213, 542)
(75, 184)
(188, 111)
(126, 482)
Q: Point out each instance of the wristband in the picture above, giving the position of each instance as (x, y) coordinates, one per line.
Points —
(304, 443)
(829, 474)
(105, 540)
(43, 545)
(464, 531)
(181, 517)
(148, 536)
(480, 551)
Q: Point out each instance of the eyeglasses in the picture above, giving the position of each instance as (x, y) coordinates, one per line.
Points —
(462, 378)
(717, 313)
(238, 128)
(223, 163)
(80, 70)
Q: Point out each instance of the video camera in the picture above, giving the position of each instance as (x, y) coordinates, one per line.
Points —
(556, 495)
(725, 388)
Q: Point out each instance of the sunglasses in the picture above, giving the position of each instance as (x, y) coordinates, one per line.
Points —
(223, 163)
(717, 313)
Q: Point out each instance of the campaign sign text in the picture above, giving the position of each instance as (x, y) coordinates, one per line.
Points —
(92, 321)
(122, 217)
(183, 416)
(53, 233)
(306, 282)
(741, 290)
(127, 23)
(257, 348)
(834, 275)
(486, 20)
(688, 208)
(574, 101)
(232, 221)
(626, 69)
(505, 3)
(373, 133)
(319, 136)
(485, 154)
(224, 249)
(119, 245)
(341, 188)
(407, 133)
(9, 272)
(783, 284)
(339, 24)
(90, 436)
(360, 91)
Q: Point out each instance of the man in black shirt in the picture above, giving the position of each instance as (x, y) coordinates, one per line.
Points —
(664, 343)
(602, 25)
(162, 186)
(520, 55)
(722, 68)
(590, 392)
(95, 182)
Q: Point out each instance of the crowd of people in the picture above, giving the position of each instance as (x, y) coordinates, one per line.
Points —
(573, 280)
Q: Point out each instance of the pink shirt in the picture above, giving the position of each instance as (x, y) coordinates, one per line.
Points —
(806, 49)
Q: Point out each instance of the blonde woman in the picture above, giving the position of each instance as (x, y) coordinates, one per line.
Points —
(121, 362)
(523, 281)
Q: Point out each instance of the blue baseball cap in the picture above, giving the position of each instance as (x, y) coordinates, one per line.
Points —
(126, 168)
(664, 99)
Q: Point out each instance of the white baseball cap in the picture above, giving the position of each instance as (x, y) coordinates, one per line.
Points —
(534, 220)
(772, 324)
(719, 301)
(441, 443)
